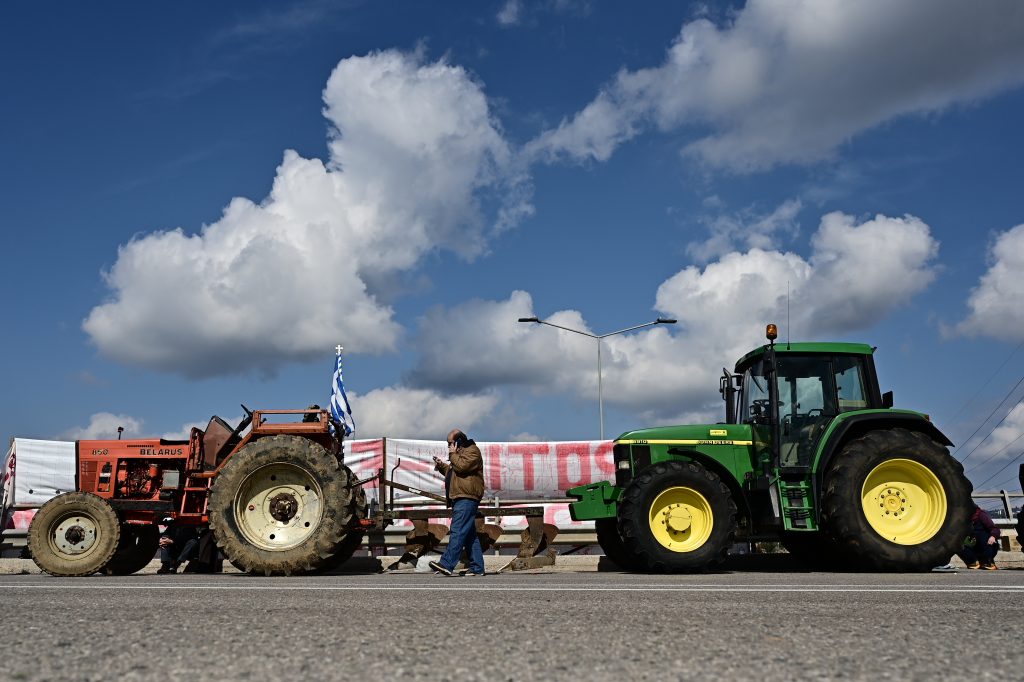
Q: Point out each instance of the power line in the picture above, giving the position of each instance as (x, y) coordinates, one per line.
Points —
(987, 382)
(1012, 461)
(994, 455)
(985, 421)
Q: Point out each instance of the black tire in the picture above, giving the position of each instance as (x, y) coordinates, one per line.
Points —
(815, 550)
(309, 490)
(74, 534)
(635, 522)
(843, 512)
(611, 543)
(354, 539)
(136, 549)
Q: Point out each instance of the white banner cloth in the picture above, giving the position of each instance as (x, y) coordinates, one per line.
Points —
(42, 469)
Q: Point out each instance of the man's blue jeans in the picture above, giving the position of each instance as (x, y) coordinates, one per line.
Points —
(463, 535)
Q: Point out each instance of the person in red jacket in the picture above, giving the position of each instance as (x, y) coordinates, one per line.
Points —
(982, 545)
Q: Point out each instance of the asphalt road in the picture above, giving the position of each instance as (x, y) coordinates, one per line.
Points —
(552, 626)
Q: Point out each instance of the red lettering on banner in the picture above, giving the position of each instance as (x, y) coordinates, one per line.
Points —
(528, 452)
(564, 452)
(605, 460)
(493, 468)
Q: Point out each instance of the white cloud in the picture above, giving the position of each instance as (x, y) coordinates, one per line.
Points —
(103, 426)
(1005, 441)
(745, 229)
(402, 412)
(997, 303)
(510, 13)
(857, 275)
(790, 80)
(415, 156)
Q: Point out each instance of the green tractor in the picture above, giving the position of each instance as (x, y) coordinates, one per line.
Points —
(811, 454)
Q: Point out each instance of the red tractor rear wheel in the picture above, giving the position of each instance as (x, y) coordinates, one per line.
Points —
(282, 505)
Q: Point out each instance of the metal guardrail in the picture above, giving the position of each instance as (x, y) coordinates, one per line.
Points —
(1008, 519)
(394, 537)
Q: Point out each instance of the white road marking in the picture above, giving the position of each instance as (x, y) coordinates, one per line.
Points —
(528, 588)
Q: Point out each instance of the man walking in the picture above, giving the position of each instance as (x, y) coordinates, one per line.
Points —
(463, 486)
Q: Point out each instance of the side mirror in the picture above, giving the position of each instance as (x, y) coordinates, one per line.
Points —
(887, 399)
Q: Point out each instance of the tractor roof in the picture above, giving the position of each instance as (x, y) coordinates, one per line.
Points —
(825, 348)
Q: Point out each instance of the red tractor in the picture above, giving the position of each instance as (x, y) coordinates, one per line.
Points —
(277, 499)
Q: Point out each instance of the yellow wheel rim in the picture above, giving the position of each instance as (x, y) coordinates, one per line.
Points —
(681, 519)
(903, 501)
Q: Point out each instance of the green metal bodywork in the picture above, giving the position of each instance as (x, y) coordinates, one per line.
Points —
(743, 462)
(823, 348)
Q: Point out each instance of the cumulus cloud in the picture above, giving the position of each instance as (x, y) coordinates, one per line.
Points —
(403, 412)
(746, 229)
(790, 80)
(857, 274)
(103, 426)
(996, 308)
(416, 164)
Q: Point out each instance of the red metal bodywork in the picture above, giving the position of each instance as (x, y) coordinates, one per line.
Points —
(147, 480)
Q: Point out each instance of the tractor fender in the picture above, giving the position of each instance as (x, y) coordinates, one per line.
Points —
(852, 425)
(711, 464)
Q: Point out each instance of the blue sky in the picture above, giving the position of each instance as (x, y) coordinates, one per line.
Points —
(201, 200)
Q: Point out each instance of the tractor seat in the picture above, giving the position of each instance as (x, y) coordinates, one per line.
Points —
(216, 440)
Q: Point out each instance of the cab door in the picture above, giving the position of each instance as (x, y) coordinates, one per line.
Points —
(806, 402)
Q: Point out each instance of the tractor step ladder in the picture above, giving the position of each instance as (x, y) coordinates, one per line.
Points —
(797, 500)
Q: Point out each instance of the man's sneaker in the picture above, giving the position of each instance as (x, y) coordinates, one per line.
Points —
(974, 564)
(165, 569)
(989, 567)
(436, 565)
(945, 568)
(474, 574)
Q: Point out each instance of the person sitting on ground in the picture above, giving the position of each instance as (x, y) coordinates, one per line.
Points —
(178, 544)
(982, 545)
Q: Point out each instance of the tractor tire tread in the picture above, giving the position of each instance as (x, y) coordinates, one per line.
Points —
(644, 551)
(843, 516)
(322, 546)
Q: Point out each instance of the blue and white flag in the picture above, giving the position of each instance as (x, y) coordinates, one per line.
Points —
(341, 412)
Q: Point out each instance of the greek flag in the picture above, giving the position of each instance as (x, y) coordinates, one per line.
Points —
(341, 412)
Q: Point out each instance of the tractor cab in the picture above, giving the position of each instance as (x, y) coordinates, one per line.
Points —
(790, 393)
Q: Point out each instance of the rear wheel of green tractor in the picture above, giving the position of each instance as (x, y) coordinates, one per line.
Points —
(676, 517)
(896, 501)
(136, 549)
(282, 505)
(74, 534)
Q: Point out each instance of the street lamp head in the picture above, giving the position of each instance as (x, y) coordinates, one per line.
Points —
(665, 320)
(528, 319)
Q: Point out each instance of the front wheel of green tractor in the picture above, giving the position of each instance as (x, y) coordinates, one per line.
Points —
(896, 500)
(677, 517)
(282, 505)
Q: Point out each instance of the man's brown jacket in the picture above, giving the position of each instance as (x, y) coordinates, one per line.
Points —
(464, 476)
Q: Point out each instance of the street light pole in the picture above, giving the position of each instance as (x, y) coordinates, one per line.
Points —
(598, 338)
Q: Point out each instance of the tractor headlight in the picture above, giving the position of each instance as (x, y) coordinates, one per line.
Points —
(623, 464)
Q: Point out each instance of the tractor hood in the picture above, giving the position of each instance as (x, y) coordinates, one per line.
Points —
(689, 433)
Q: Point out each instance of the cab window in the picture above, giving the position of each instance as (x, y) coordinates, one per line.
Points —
(850, 389)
